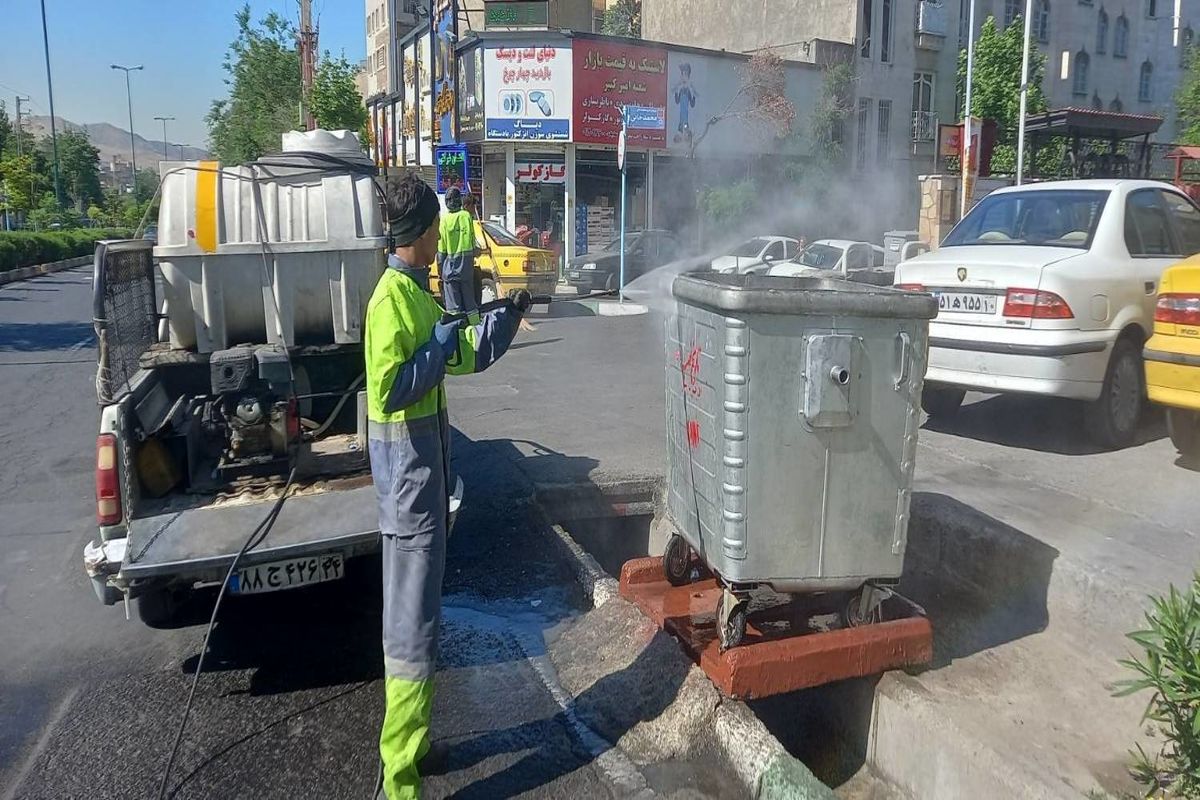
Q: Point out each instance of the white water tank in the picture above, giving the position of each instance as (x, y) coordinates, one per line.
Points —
(286, 250)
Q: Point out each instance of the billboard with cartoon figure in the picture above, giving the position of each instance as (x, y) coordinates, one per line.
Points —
(700, 87)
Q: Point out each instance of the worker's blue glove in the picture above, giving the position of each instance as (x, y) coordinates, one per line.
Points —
(445, 335)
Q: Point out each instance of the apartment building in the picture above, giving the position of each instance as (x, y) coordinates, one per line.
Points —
(1117, 55)
(392, 21)
(904, 57)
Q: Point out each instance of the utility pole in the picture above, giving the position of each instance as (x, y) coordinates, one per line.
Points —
(164, 121)
(50, 91)
(132, 146)
(1024, 93)
(965, 201)
(308, 53)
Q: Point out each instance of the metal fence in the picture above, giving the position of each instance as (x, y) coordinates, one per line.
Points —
(125, 313)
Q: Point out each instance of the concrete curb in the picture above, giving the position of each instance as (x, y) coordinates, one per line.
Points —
(24, 273)
(760, 762)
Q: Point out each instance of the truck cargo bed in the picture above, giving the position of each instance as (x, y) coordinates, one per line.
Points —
(205, 539)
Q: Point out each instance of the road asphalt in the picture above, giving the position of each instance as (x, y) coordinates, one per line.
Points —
(291, 699)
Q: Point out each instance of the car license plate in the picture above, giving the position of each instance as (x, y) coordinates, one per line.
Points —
(575, 273)
(966, 302)
(276, 576)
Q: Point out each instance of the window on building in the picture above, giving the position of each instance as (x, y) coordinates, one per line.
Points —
(1082, 62)
(1151, 8)
(885, 31)
(1116, 105)
(868, 12)
(1041, 20)
(1102, 32)
(863, 123)
(1145, 82)
(883, 127)
(924, 120)
(1121, 37)
(1012, 10)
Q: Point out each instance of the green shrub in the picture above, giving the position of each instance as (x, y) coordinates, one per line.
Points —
(26, 248)
(1170, 668)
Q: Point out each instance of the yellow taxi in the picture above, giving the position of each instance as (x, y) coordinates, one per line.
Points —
(1172, 354)
(504, 265)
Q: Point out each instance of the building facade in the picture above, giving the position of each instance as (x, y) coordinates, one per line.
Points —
(1116, 55)
(530, 120)
(904, 57)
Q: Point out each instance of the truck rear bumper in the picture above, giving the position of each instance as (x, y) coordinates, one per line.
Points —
(199, 543)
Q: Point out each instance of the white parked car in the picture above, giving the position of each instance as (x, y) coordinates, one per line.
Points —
(1049, 289)
(859, 261)
(756, 252)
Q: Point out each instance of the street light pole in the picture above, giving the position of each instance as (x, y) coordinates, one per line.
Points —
(164, 122)
(50, 91)
(181, 146)
(964, 201)
(1024, 93)
(129, 101)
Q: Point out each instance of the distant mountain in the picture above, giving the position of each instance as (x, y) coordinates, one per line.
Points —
(111, 140)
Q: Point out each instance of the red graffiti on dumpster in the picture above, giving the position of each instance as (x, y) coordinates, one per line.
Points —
(693, 433)
(690, 370)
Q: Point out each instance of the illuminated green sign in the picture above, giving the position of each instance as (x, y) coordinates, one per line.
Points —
(518, 14)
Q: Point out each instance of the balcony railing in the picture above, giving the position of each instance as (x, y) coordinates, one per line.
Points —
(924, 126)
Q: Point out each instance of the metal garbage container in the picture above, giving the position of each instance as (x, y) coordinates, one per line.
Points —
(792, 413)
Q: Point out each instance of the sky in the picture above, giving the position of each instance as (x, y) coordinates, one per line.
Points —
(180, 44)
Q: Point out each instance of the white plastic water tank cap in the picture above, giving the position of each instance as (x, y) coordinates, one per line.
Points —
(321, 141)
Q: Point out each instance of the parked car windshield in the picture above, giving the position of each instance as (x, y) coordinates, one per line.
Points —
(749, 248)
(1050, 218)
(500, 235)
(821, 256)
(631, 239)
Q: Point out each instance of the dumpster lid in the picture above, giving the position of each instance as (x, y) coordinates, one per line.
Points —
(770, 294)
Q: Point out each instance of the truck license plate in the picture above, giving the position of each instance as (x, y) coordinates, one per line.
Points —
(288, 574)
(967, 303)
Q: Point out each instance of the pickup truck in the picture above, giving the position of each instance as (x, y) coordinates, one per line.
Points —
(230, 375)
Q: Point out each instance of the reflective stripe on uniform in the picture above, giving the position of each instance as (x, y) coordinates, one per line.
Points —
(404, 739)
(402, 430)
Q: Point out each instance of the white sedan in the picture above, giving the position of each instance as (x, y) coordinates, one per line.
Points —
(756, 252)
(1049, 289)
(862, 259)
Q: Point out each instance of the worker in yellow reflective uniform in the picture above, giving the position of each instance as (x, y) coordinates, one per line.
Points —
(409, 347)
(456, 254)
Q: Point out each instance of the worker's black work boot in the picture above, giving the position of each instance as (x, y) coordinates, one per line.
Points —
(436, 760)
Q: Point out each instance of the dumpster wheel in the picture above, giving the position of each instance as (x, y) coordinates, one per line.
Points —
(731, 619)
(865, 606)
(677, 561)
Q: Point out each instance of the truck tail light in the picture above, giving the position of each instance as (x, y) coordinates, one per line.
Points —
(1178, 309)
(910, 287)
(1035, 304)
(108, 494)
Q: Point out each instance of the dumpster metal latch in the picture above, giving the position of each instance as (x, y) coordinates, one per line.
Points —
(829, 381)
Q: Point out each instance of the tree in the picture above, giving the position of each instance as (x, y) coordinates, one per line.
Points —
(263, 67)
(335, 101)
(761, 99)
(996, 87)
(623, 18)
(1187, 103)
(79, 165)
(828, 122)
